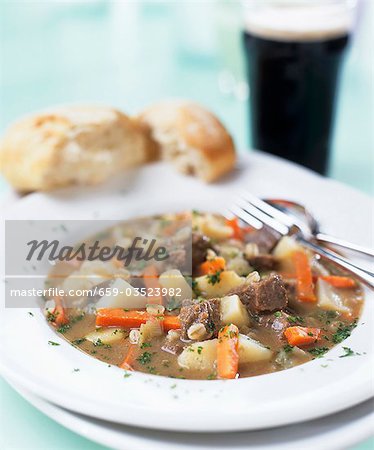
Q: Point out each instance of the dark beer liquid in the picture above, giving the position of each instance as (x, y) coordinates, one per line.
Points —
(292, 96)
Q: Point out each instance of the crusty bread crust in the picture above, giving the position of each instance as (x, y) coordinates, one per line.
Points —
(72, 145)
(87, 145)
(191, 137)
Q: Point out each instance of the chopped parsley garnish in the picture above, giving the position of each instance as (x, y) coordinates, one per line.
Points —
(152, 370)
(288, 348)
(52, 343)
(78, 341)
(98, 343)
(199, 349)
(145, 345)
(343, 332)
(76, 370)
(145, 358)
(347, 352)
(173, 304)
(211, 376)
(295, 319)
(318, 351)
(210, 325)
(126, 374)
(214, 278)
(64, 328)
(195, 288)
(278, 314)
(77, 318)
(51, 317)
(327, 316)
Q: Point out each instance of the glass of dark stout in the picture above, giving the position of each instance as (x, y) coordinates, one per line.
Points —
(294, 51)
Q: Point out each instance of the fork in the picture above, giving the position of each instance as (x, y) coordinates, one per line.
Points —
(257, 213)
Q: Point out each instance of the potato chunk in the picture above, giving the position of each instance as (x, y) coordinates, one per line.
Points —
(173, 279)
(199, 355)
(203, 355)
(252, 351)
(329, 299)
(233, 311)
(105, 336)
(214, 228)
(284, 250)
(227, 280)
(128, 297)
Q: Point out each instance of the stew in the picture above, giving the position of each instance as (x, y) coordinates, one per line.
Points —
(227, 302)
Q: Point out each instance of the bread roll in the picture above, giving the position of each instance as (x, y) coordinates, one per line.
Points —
(72, 145)
(191, 137)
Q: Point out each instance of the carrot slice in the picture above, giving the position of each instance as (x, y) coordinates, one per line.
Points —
(126, 363)
(287, 275)
(117, 317)
(150, 279)
(171, 323)
(212, 266)
(302, 335)
(340, 282)
(304, 277)
(228, 352)
(238, 231)
(59, 312)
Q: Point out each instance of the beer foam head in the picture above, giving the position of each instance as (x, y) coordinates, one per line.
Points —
(298, 20)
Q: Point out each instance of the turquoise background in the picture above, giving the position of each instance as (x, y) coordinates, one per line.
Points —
(130, 54)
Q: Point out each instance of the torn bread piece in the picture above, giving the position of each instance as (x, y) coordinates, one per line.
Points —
(191, 138)
(82, 145)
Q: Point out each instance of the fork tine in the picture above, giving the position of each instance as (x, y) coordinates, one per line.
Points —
(264, 218)
(268, 209)
(288, 219)
(245, 217)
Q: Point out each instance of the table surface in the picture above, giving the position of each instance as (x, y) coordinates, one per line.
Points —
(130, 54)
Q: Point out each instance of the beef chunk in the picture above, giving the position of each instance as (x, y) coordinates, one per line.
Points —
(266, 295)
(276, 323)
(265, 239)
(200, 245)
(263, 262)
(206, 313)
(291, 290)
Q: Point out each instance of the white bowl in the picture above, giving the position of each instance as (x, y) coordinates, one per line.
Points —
(337, 431)
(318, 388)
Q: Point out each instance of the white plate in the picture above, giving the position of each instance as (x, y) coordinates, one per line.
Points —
(341, 430)
(286, 397)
